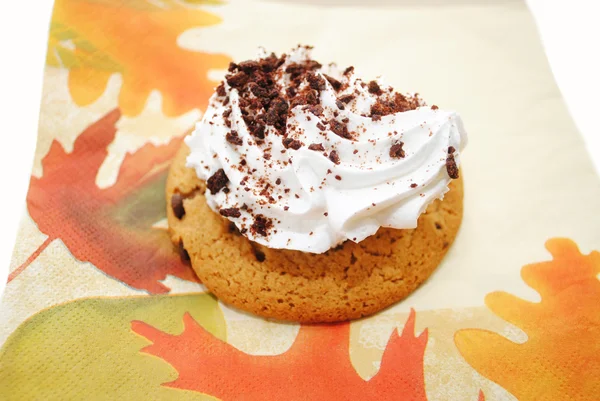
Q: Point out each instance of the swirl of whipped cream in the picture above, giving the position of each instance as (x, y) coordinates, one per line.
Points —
(301, 156)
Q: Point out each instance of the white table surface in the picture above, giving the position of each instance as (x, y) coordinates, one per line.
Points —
(569, 32)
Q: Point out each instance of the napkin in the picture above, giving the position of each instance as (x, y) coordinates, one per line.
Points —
(98, 305)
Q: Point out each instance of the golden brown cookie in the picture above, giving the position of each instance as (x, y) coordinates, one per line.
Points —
(348, 282)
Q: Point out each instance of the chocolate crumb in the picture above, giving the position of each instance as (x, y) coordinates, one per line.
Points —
(451, 166)
(334, 82)
(292, 143)
(316, 146)
(355, 151)
(221, 89)
(261, 225)
(340, 129)
(325, 214)
(337, 177)
(321, 127)
(230, 212)
(237, 80)
(451, 149)
(248, 66)
(340, 105)
(396, 151)
(177, 205)
(413, 185)
(314, 109)
(374, 88)
(217, 181)
(434, 107)
(346, 98)
(297, 196)
(334, 157)
(349, 70)
(286, 208)
(316, 82)
(233, 138)
(258, 129)
(278, 181)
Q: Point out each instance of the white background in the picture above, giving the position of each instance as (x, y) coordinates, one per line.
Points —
(569, 30)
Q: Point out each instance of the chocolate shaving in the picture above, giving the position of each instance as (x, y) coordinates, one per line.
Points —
(217, 181)
(396, 151)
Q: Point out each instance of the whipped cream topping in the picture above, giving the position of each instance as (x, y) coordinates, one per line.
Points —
(303, 156)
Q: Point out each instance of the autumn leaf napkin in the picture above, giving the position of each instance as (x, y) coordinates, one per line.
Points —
(99, 306)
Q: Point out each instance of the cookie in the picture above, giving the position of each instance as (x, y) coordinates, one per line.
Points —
(348, 282)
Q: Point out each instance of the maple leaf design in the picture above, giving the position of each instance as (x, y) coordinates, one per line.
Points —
(561, 358)
(137, 39)
(316, 367)
(85, 350)
(111, 228)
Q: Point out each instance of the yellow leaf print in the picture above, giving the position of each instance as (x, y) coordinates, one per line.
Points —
(137, 39)
(561, 358)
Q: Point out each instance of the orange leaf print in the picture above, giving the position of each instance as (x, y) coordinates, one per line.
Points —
(316, 367)
(561, 358)
(111, 228)
(137, 39)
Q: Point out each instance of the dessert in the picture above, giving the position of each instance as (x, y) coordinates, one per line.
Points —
(307, 194)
